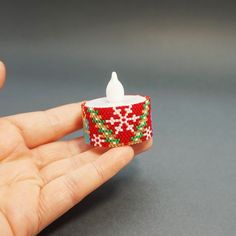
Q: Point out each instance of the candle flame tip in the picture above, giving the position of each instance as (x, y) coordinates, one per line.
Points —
(114, 75)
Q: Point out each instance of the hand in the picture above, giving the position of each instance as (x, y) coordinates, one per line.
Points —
(40, 177)
(2, 74)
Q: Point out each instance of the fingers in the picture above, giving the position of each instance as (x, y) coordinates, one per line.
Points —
(48, 153)
(64, 166)
(45, 126)
(61, 194)
(73, 158)
(2, 74)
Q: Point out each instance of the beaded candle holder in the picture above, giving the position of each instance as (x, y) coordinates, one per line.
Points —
(117, 120)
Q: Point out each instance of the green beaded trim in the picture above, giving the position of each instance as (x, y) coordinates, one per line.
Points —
(102, 128)
(142, 123)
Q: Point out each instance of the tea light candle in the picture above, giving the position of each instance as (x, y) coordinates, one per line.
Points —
(117, 119)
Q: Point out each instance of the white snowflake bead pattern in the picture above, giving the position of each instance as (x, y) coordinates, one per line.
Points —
(123, 120)
(98, 140)
(148, 132)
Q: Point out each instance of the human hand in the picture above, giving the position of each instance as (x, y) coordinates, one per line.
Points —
(2, 74)
(40, 177)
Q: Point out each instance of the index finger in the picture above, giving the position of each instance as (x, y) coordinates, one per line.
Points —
(45, 126)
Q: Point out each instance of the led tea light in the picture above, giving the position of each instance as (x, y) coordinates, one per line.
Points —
(115, 90)
(117, 119)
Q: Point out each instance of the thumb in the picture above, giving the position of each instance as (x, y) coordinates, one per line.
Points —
(2, 74)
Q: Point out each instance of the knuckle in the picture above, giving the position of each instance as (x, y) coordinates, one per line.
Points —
(74, 162)
(70, 149)
(53, 121)
(99, 171)
(72, 189)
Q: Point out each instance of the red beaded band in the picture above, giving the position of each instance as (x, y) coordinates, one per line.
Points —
(117, 126)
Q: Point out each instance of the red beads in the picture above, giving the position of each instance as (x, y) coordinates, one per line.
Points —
(117, 126)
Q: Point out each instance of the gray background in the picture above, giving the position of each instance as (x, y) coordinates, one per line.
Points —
(182, 54)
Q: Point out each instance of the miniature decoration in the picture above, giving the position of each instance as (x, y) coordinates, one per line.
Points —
(117, 119)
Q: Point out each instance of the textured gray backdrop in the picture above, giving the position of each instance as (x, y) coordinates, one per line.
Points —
(181, 54)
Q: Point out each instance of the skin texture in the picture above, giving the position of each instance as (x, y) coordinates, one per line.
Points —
(42, 177)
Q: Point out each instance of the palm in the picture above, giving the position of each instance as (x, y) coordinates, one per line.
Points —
(27, 175)
(40, 177)
(21, 184)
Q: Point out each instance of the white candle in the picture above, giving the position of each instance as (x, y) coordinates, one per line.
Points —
(115, 90)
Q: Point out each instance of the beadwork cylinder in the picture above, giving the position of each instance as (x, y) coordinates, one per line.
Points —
(115, 126)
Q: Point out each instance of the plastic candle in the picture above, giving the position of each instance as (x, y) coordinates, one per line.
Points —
(117, 119)
(115, 89)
